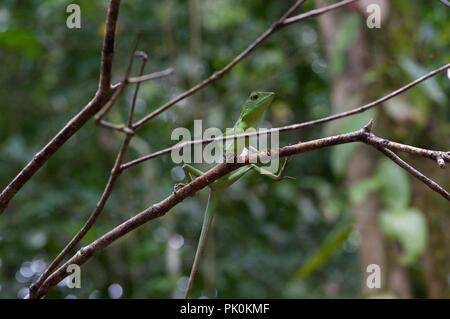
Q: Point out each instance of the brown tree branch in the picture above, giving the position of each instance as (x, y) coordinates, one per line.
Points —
(101, 97)
(108, 45)
(117, 127)
(108, 104)
(277, 25)
(317, 12)
(218, 171)
(151, 76)
(439, 157)
(107, 95)
(119, 87)
(165, 205)
(144, 58)
(115, 174)
(414, 172)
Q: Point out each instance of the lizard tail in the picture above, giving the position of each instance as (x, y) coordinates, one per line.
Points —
(207, 221)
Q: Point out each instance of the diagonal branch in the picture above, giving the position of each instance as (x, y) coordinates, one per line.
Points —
(414, 172)
(151, 76)
(119, 87)
(108, 45)
(161, 208)
(115, 174)
(101, 97)
(439, 157)
(218, 171)
(317, 12)
(105, 91)
(277, 25)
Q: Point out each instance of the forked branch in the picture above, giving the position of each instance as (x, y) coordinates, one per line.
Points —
(363, 135)
(105, 91)
(101, 97)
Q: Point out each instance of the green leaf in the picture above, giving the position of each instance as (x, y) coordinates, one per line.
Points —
(430, 87)
(359, 191)
(394, 185)
(408, 226)
(332, 243)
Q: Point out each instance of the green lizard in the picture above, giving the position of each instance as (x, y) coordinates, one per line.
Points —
(251, 114)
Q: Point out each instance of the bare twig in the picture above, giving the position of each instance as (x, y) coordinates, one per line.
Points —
(414, 172)
(165, 205)
(221, 169)
(316, 12)
(144, 58)
(119, 87)
(107, 95)
(277, 25)
(151, 76)
(105, 91)
(117, 127)
(101, 97)
(115, 173)
(108, 45)
(107, 106)
(437, 156)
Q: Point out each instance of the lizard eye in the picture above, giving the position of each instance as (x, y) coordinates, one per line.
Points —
(254, 97)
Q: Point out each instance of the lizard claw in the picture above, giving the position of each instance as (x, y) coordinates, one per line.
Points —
(281, 175)
(177, 187)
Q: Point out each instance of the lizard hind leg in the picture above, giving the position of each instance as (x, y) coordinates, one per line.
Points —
(278, 176)
(190, 172)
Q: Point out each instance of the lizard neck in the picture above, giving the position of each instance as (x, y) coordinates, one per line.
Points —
(241, 125)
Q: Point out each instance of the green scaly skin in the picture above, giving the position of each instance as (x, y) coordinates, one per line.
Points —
(251, 114)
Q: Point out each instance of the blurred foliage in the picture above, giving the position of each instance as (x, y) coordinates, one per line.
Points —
(265, 232)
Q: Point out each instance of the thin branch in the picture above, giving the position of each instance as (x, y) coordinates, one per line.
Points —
(48, 150)
(105, 91)
(120, 87)
(218, 171)
(107, 106)
(381, 100)
(108, 45)
(144, 58)
(437, 156)
(117, 127)
(190, 189)
(101, 97)
(277, 25)
(151, 76)
(107, 95)
(414, 172)
(134, 53)
(316, 12)
(115, 173)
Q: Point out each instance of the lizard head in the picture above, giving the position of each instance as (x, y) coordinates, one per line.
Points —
(255, 106)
